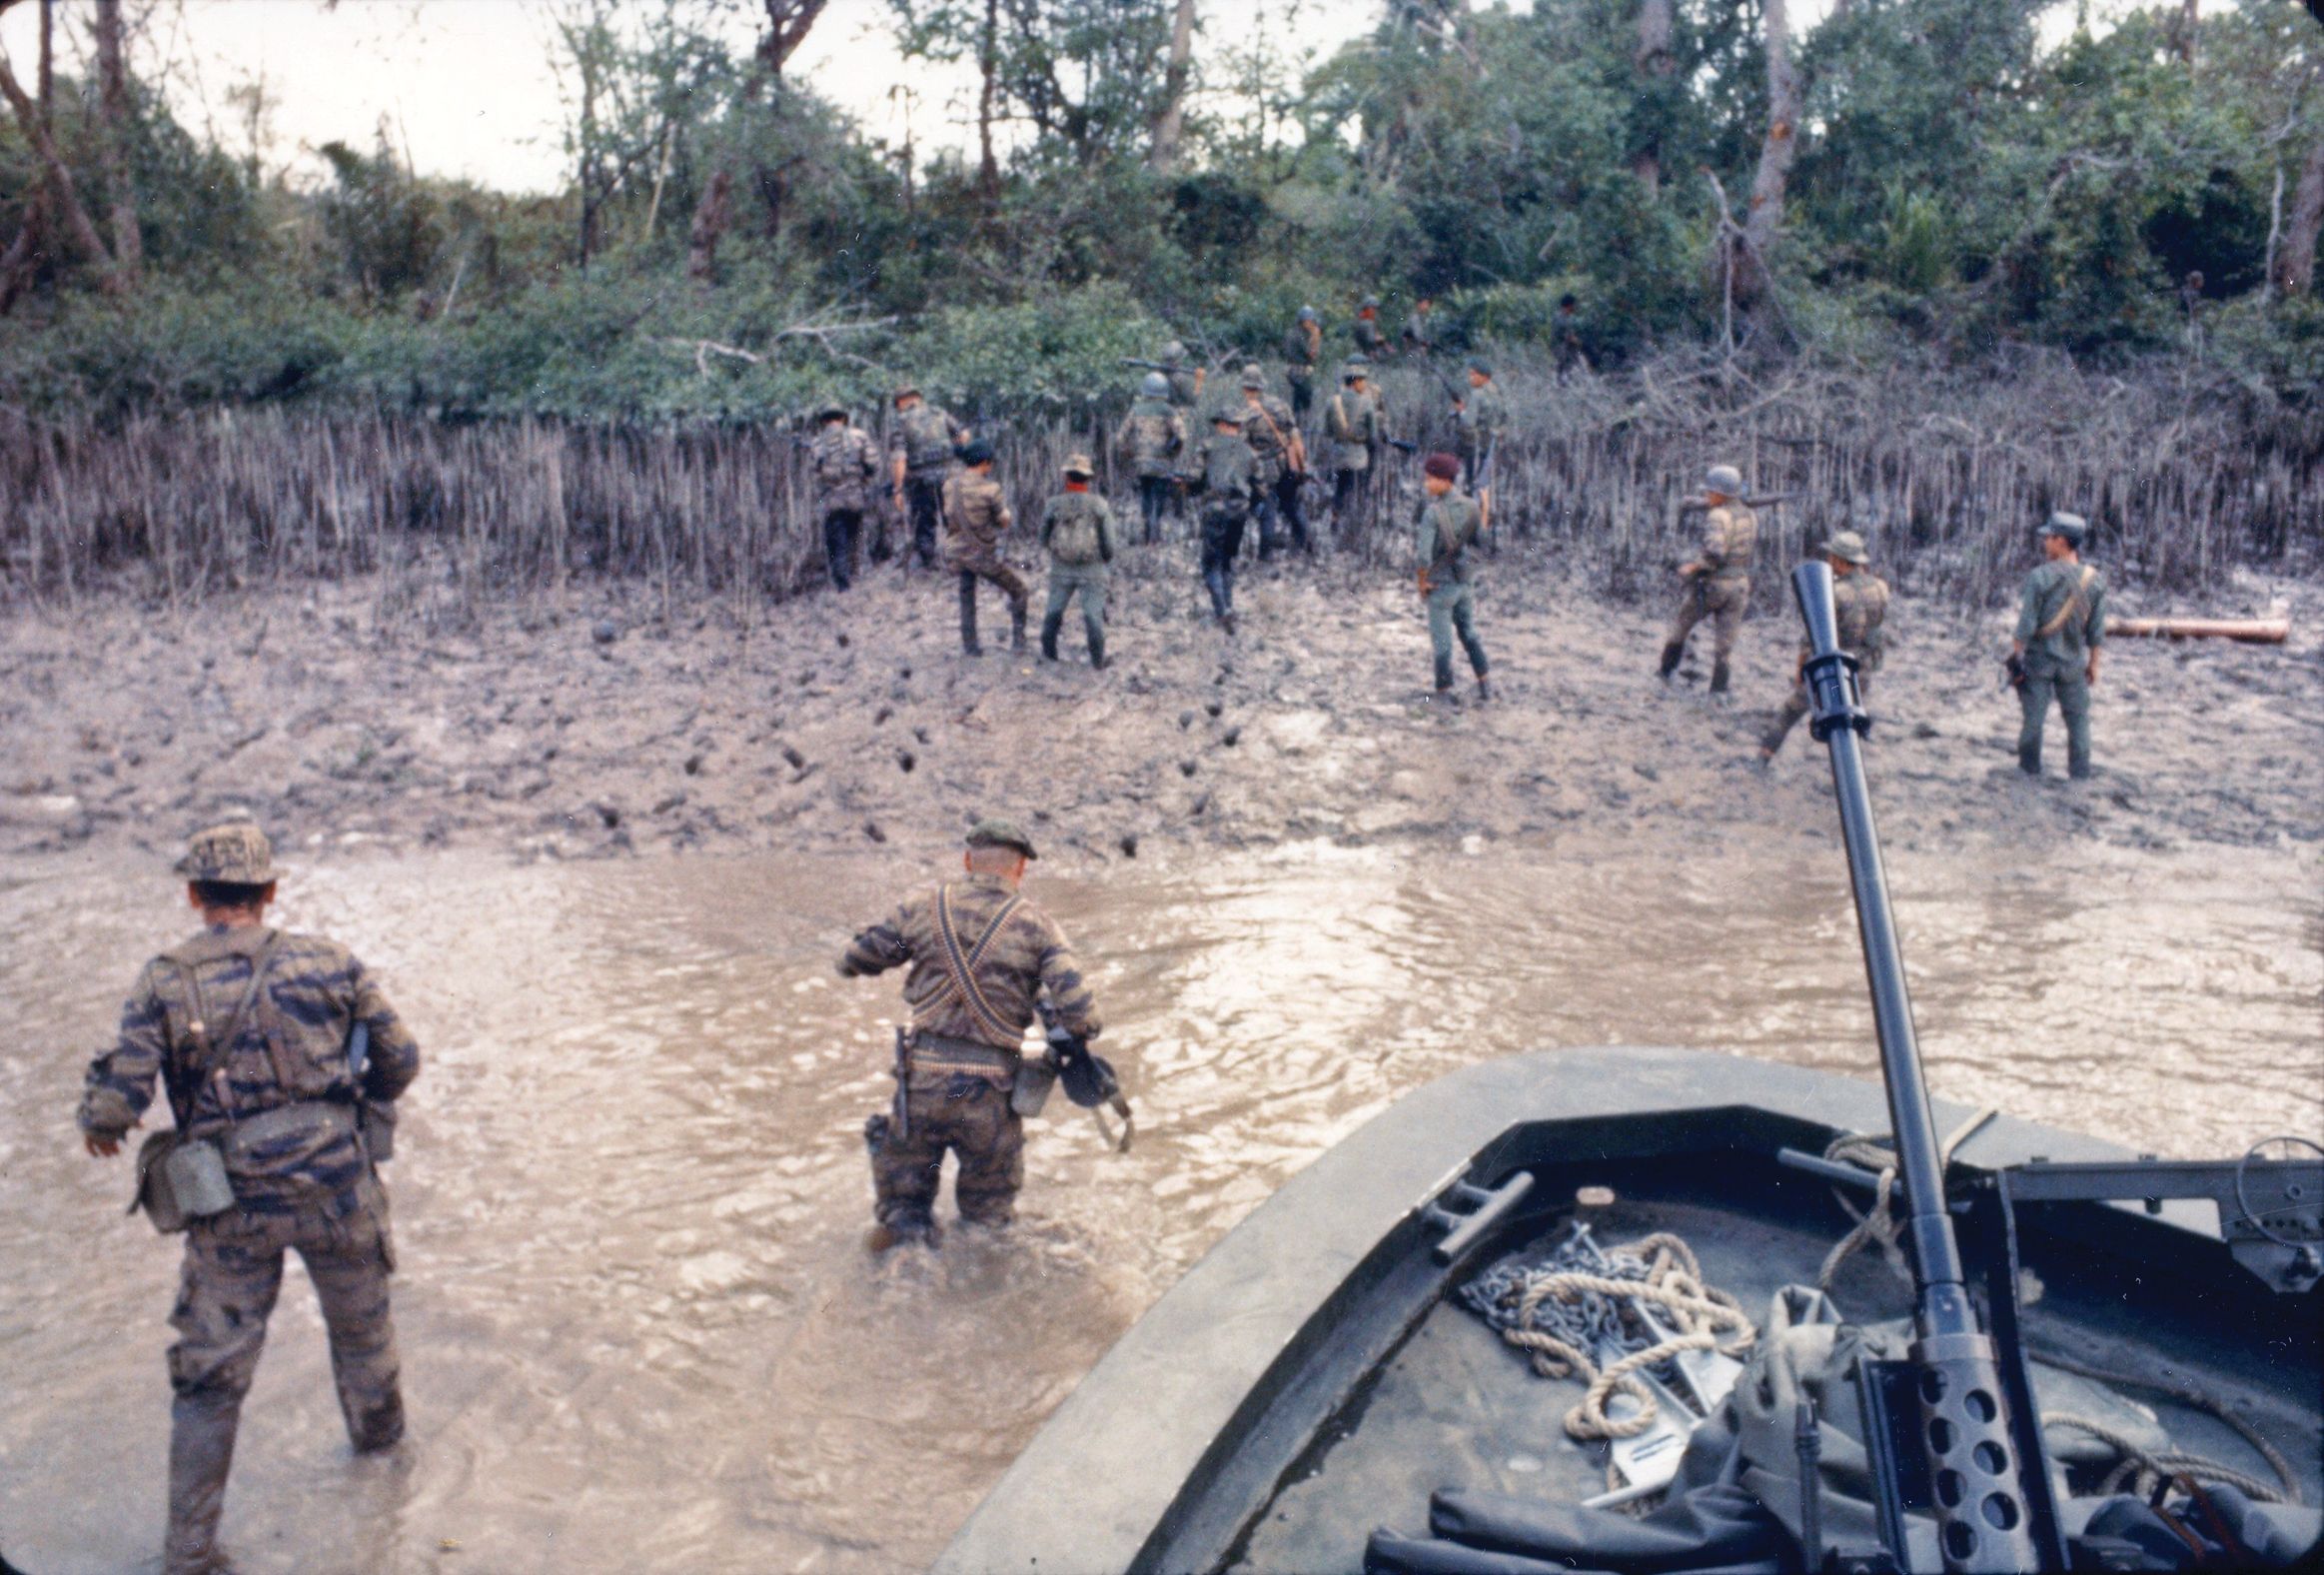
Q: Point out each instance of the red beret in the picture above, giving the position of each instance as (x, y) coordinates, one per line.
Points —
(1444, 466)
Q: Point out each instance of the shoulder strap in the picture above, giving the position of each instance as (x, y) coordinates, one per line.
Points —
(210, 1047)
(960, 966)
(2069, 606)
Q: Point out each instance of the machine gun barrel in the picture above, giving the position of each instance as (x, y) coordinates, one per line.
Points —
(1988, 1496)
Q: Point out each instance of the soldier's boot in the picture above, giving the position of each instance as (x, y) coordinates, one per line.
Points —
(1671, 656)
(1483, 690)
(969, 645)
(1718, 693)
(1444, 677)
(1016, 625)
(889, 1234)
(202, 1428)
(1097, 648)
(1050, 626)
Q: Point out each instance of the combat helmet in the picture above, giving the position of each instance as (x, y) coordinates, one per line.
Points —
(1174, 351)
(1724, 478)
(1153, 385)
(1253, 377)
(2072, 528)
(1306, 314)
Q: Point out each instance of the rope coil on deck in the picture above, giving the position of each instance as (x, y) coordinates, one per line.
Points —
(1879, 1224)
(1557, 1313)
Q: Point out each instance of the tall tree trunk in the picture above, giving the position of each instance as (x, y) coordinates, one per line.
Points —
(2186, 31)
(1655, 64)
(1170, 125)
(112, 99)
(67, 195)
(988, 69)
(20, 265)
(788, 24)
(712, 216)
(1765, 221)
(2296, 264)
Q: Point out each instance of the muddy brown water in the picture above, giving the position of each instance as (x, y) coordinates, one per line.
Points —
(637, 1327)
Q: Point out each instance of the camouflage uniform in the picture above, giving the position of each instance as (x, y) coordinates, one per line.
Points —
(1077, 529)
(975, 518)
(845, 463)
(303, 1179)
(1370, 341)
(1303, 348)
(1419, 332)
(1718, 591)
(1448, 526)
(2067, 598)
(1152, 435)
(1862, 600)
(1267, 428)
(954, 1084)
(1229, 476)
(1356, 425)
(924, 438)
(1483, 418)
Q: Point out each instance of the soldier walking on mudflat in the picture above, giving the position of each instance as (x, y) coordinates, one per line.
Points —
(1229, 478)
(976, 517)
(1152, 436)
(1077, 529)
(2061, 624)
(281, 1059)
(1303, 350)
(979, 954)
(1449, 523)
(1716, 580)
(1356, 425)
(1274, 437)
(1480, 417)
(1861, 598)
(845, 464)
(920, 448)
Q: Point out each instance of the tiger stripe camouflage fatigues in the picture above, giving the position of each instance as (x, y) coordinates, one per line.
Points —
(311, 1190)
(958, 1102)
(1724, 589)
(924, 438)
(1861, 600)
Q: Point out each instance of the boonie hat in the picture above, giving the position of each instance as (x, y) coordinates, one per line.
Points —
(993, 831)
(1078, 464)
(908, 390)
(1848, 547)
(831, 412)
(1444, 466)
(1724, 478)
(237, 853)
(1482, 366)
(1228, 418)
(2073, 527)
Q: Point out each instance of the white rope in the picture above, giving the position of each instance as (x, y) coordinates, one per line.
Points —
(1879, 1224)
(2142, 1472)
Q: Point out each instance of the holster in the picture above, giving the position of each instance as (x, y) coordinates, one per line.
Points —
(180, 1180)
(2014, 669)
(901, 1114)
(1030, 1091)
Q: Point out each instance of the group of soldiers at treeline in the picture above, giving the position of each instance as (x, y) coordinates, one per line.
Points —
(281, 1059)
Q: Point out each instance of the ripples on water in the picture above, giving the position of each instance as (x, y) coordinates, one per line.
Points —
(637, 1327)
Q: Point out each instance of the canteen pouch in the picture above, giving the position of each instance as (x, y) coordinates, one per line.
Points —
(376, 1119)
(180, 1180)
(1036, 1075)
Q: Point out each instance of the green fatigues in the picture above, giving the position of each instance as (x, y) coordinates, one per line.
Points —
(845, 461)
(1483, 416)
(975, 515)
(1721, 592)
(1230, 474)
(925, 436)
(1356, 424)
(1303, 347)
(1267, 427)
(1447, 526)
(310, 1188)
(1861, 598)
(1077, 529)
(2061, 618)
(955, 1093)
(1152, 434)
(1370, 340)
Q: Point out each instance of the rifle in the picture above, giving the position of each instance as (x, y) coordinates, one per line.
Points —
(1949, 1402)
(375, 1120)
(1403, 445)
(1768, 501)
(1087, 1077)
(1153, 366)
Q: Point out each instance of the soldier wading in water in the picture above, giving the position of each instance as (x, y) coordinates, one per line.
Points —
(281, 1060)
(979, 954)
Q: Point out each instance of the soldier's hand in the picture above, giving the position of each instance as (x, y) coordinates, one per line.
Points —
(1688, 570)
(102, 1148)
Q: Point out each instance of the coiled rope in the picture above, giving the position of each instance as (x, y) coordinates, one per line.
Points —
(1878, 1223)
(1552, 1311)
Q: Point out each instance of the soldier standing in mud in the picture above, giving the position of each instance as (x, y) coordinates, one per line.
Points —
(976, 517)
(1480, 415)
(1185, 381)
(1860, 597)
(920, 447)
(2061, 624)
(1716, 580)
(1449, 523)
(250, 1031)
(1356, 425)
(1229, 479)
(845, 463)
(1274, 437)
(1420, 331)
(1303, 348)
(1370, 340)
(979, 954)
(1077, 529)
(1151, 435)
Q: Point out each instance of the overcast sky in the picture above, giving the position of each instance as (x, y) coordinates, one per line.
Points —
(467, 87)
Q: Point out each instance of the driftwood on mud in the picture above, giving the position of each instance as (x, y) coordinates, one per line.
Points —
(1944, 475)
(2247, 631)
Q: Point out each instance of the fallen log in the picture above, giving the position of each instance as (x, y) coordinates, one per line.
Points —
(2250, 630)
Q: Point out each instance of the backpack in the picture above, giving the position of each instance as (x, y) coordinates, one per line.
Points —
(1073, 536)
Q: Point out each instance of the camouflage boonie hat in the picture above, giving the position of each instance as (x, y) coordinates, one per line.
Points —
(2071, 527)
(1848, 547)
(237, 854)
(1226, 417)
(908, 390)
(831, 413)
(1078, 464)
(1724, 478)
(993, 831)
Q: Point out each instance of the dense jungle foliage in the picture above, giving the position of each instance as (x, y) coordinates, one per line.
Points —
(1969, 180)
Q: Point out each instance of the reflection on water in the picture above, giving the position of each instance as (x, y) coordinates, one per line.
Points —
(638, 1330)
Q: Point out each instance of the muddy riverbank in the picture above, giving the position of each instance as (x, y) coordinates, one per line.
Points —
(610, 725)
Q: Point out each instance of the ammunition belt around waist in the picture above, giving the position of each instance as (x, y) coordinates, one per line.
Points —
(248, 1139)
(936, 1052)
